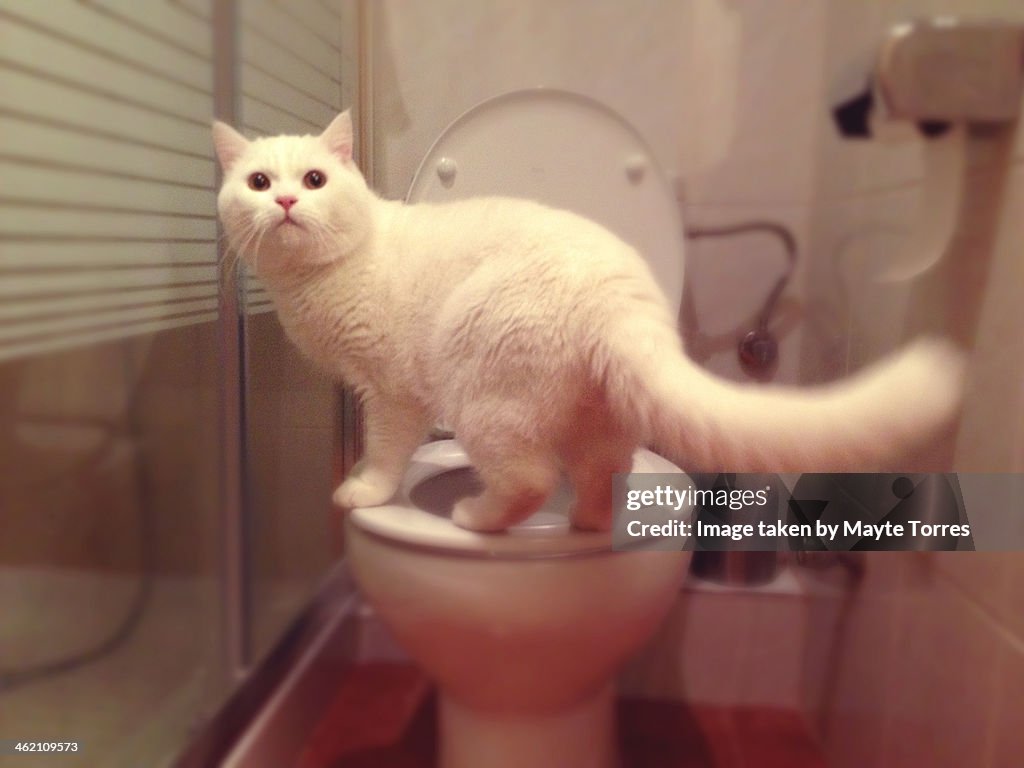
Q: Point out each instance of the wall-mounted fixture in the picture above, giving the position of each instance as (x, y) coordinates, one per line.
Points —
(959, 84)
(938, 72)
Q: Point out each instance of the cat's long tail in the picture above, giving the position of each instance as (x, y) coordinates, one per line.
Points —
(864, 423)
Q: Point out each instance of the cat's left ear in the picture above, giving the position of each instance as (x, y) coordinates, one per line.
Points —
(228, 143)
(338, 136)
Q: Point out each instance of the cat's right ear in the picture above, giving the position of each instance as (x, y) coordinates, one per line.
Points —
(338, 136)
(228, 143)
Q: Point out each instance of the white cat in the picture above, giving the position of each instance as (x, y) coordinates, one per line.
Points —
(537, 335)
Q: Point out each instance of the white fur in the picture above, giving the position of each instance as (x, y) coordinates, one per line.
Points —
(540, 337)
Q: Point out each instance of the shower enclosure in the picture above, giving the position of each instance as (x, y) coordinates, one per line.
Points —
(152, 415)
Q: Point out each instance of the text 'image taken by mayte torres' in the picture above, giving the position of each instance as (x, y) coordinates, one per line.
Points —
(759, 512)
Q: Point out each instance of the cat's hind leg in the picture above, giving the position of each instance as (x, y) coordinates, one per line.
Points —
(591, 469)
(517, 480)
(394, 430)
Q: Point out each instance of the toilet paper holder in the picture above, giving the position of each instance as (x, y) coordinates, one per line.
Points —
(938, 71)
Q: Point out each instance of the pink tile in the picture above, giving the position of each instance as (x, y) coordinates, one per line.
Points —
(1008, 723)
(994, 580)
(697, 655)
(943, 684)
(1011, 608)
(866, 654)
(718, 627)
(774, 653)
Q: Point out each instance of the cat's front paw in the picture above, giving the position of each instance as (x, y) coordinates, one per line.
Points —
(363, 492)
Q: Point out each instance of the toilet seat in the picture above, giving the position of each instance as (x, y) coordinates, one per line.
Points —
(419, 516)
(567, 151)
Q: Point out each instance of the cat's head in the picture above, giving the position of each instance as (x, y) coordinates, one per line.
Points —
(290, 202)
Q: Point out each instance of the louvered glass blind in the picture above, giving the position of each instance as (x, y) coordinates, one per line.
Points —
(107, 200)
(107, 207)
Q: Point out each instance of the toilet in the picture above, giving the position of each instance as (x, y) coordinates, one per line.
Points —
(524, 631)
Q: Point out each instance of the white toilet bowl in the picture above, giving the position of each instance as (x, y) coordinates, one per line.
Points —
(522, 631)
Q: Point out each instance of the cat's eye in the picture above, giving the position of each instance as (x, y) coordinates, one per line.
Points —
(259, 182)
(314, 180)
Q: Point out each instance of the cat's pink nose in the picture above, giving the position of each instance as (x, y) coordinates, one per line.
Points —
(286, 202)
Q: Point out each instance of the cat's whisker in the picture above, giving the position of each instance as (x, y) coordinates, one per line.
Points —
(231, 257)
(229, 265)
(261, 231)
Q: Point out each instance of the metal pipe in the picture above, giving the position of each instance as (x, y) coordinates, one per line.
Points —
(231, 349)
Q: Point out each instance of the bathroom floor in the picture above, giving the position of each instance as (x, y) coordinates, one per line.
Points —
(383, 717)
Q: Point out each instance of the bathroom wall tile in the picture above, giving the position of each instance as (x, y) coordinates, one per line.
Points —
(771, 670)
(992, 419)
(725, 647)
(943, 691)
(924, 673)
(994, 580)
(825, 609)
(697, 654)
(714, 645)
(891, 574)
(1011, 609)
(849, 313)
(776, 86)
(1008, 724)
(865, 655)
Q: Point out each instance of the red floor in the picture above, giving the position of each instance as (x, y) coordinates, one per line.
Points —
(383, 717)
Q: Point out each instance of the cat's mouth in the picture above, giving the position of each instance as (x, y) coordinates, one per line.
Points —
(288, 220)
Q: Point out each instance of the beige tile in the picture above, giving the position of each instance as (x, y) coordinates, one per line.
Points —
(864, 655)
(995, 580)
(943, 686)
(850, 313)
(718, 629)
(825, 611)
(697, 653)
(778, 92)
(774, 652)
(1008, 723)
(991, 425)
(1010, 603)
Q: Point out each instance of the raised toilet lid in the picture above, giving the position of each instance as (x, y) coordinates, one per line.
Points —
(567, 151)
(440, 473)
